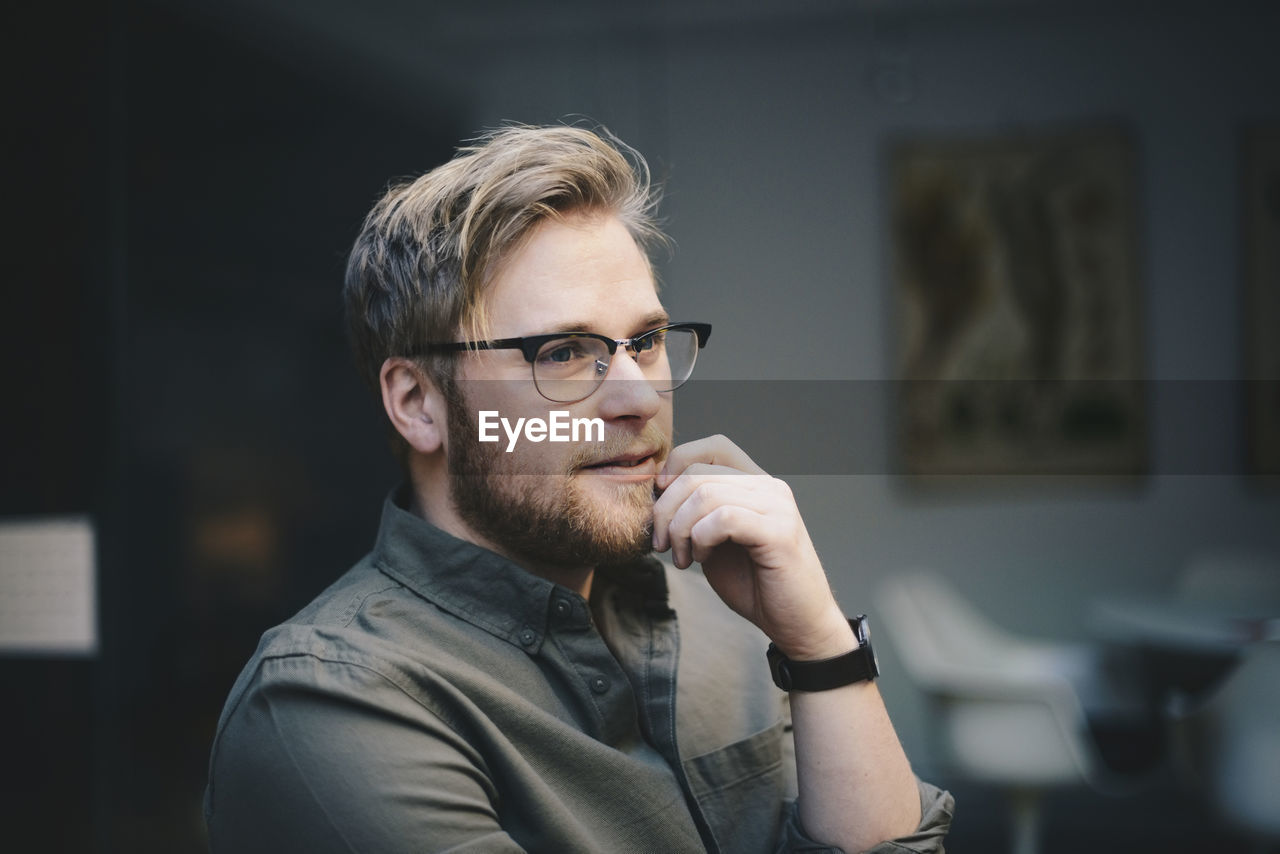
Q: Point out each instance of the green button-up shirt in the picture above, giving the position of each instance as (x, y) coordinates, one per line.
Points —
(438, 697)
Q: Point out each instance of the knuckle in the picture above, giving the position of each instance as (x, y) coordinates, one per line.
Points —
(704, 495)
(728, 445)
(695, 472)
(728, 514)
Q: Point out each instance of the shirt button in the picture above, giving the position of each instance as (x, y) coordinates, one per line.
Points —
(600, 685)
(528, 636)
(563, 608)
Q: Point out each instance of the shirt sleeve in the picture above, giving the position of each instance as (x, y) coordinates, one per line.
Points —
(323, 756)
(936, 809)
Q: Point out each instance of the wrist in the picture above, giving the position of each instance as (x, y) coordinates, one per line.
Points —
(809, 675)
(830, 637)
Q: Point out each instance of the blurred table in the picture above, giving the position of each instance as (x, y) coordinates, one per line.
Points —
(1177, 624)
(1187, 647)
(1213, 669)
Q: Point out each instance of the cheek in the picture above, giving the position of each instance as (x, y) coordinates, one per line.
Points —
(542, 458)
(667, 413)
(664, 419)
(528, 446)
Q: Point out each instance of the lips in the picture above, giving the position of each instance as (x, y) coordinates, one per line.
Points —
(624, 461)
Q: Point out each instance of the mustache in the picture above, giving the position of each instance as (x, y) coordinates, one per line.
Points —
(651, 440)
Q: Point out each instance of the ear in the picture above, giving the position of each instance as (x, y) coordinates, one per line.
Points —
(413, 403)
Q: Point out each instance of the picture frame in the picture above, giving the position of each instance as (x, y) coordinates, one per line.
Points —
(1017, 284)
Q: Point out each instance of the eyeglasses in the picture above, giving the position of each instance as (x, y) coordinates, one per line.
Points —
(570, 366)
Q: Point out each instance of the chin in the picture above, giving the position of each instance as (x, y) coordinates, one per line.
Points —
(624, 508)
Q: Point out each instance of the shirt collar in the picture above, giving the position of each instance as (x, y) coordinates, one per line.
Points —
(485, 588)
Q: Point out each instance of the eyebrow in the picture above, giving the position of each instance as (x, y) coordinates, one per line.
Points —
(652, 321)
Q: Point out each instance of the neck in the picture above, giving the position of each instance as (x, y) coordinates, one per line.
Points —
(431, 502)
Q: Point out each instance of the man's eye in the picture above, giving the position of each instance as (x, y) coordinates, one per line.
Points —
(651, 342)
(561, 353)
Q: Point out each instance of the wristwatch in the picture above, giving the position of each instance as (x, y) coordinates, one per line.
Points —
(857, 666)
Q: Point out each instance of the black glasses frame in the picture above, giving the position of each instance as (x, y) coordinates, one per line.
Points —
(530, 345)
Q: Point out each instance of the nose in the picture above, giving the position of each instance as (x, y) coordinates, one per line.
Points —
(626, 391)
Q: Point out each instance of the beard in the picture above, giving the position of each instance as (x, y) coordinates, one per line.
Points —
(542, 515)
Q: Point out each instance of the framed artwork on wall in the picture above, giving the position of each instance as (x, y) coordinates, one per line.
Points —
(1015, 271)
(1261, 191)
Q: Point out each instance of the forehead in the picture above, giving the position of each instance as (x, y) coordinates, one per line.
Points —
(583, 272)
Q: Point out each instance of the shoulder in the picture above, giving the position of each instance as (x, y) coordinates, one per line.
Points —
(365, 634)
(338, 603)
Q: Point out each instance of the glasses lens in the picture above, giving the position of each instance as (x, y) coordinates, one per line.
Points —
(667, 357)
(568, 369)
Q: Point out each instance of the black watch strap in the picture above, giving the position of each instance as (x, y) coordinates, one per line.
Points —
(857, 666)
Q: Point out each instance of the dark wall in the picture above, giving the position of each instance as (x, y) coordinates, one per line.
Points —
(55, 370)
(176, 367)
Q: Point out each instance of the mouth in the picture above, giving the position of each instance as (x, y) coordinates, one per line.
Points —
(637, 460)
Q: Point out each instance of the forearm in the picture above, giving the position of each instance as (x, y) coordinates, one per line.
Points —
(856, 786)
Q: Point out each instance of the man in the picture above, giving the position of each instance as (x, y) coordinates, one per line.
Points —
(510, 668)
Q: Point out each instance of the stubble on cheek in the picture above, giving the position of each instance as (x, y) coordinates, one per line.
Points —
(562, 515)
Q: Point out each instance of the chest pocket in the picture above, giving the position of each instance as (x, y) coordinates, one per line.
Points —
(741, 788)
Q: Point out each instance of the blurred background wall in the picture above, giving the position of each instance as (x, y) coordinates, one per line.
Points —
(184, 180)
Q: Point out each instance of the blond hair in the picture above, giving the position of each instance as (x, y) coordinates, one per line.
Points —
(419, 268)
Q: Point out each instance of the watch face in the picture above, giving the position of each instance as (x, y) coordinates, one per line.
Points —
(864, 640)
(864, 629)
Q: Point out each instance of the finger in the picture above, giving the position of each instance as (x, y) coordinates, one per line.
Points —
(706, 498)
(679, 490)
(728, 523)
(712, 450)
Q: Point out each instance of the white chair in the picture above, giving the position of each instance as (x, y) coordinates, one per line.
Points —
(1008, 710)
